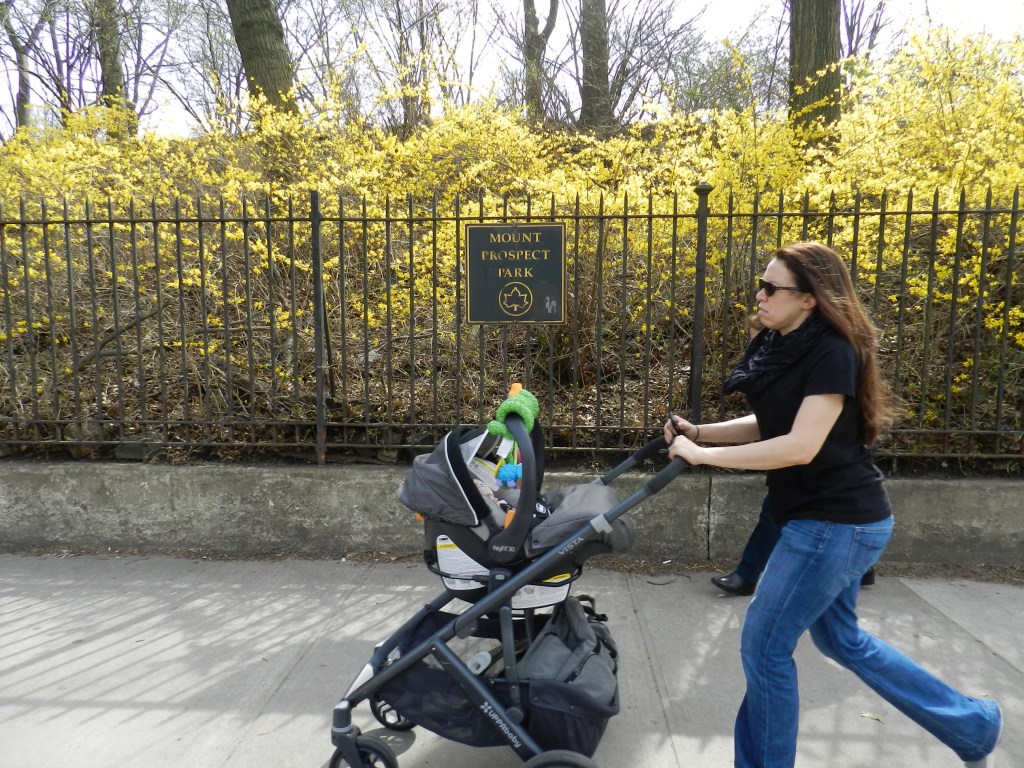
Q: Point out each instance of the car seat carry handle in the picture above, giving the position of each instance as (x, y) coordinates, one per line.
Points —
(507, 546)
(642, 454)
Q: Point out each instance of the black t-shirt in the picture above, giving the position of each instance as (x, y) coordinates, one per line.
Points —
(841, 484)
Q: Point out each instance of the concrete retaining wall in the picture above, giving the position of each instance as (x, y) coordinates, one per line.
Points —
(328, 511)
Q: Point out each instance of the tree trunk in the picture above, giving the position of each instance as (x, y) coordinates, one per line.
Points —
(107, 33)
(814, 49)
(595, 96)
(412, 40)
(259, 36)
(23, 97)
(535, 41)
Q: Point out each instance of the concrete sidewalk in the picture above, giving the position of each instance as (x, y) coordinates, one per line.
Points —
(109, 662)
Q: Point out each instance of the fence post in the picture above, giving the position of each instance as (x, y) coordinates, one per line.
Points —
(697, 351)
(319, 314)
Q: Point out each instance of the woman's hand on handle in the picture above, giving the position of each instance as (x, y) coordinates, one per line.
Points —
(681, 447)
(677, 425)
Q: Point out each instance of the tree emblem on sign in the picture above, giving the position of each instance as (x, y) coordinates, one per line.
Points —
(515, 299)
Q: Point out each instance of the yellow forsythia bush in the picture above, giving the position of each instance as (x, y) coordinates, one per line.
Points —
(215, 229)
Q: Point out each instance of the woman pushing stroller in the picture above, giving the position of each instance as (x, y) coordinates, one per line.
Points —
(811, 378)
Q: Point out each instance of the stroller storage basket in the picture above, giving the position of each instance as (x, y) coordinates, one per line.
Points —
(568, 686)
(428, 696)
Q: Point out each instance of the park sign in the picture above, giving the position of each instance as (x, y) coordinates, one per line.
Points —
(515, 273)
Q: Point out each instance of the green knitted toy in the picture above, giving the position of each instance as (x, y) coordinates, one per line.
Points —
(520, 401)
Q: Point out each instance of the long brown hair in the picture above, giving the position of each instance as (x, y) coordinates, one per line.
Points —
(819, 271)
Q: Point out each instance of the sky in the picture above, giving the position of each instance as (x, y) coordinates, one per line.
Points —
(1000, 18)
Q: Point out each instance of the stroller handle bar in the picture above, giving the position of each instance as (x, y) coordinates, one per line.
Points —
(666, 476)
(642, 454)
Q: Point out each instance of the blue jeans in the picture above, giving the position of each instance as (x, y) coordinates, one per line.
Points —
(760, 545)
(811, 582)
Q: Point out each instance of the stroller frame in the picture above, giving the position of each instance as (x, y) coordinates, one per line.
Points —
(355, 749)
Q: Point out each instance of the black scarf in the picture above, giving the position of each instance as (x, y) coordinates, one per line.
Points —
(770, 354)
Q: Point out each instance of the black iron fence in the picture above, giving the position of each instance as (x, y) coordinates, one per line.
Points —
(326, 326)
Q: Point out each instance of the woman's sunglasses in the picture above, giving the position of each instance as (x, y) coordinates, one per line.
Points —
(770, 288)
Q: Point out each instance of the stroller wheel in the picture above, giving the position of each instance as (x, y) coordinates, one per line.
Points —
(559, 758)
(388, 717)
(373, 753)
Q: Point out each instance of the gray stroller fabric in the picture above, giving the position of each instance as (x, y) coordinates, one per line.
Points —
(430, 490)
(432, 486)
(570, 650)
(571, 671)
(571, 507)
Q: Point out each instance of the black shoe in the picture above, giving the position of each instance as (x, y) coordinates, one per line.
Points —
(868, 579)
(734, 584)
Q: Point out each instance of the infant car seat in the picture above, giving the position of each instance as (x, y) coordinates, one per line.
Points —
(468, 533)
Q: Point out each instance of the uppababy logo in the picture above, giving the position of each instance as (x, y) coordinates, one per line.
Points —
(488, 710)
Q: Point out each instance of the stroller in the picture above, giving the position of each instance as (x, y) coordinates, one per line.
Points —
(543, 683)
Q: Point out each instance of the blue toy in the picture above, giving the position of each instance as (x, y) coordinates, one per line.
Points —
(509, 475)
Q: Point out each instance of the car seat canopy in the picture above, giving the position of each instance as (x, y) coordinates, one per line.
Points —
(440, 485)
